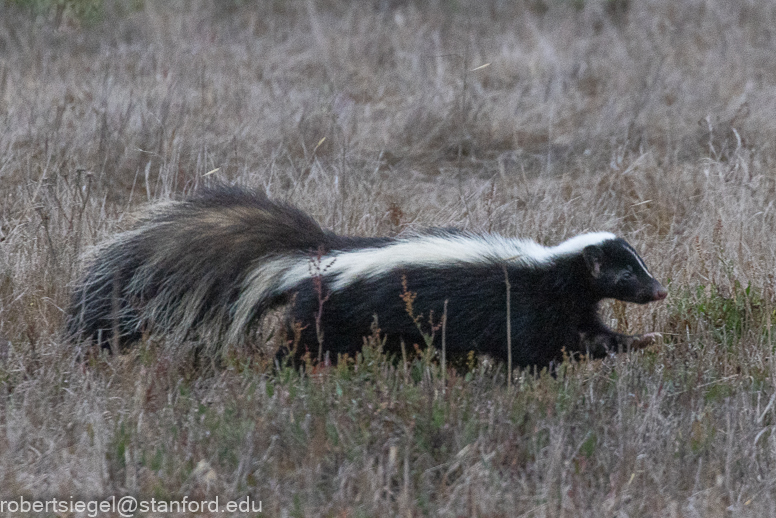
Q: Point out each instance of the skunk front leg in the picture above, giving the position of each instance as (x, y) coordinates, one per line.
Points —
(599, 341)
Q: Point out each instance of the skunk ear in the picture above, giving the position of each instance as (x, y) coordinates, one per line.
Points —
(593, 258)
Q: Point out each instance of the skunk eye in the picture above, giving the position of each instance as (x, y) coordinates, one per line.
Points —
(626, 275)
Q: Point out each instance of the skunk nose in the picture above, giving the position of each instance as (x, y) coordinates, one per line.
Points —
(660, 292)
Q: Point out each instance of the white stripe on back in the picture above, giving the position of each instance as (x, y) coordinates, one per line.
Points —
(437, 251)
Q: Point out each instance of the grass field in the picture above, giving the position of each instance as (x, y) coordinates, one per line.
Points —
(535, 118)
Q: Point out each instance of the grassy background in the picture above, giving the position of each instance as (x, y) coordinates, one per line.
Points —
(653, 120)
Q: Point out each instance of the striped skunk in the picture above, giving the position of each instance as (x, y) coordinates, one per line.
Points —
(210, 266)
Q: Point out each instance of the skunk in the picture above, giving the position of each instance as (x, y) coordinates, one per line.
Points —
(211, 266)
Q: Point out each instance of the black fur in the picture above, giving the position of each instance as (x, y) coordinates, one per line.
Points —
(185, 269)
(553, 307)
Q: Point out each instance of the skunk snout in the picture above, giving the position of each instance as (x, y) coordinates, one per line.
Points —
(659, 292)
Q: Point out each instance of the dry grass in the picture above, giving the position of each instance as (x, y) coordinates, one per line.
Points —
(649, 119)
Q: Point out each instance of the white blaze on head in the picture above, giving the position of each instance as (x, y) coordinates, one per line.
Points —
(639, 260)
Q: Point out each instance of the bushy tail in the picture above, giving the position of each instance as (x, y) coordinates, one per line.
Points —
(181, 270)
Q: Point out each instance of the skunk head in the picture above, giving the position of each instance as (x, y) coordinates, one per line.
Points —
(619, 273)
